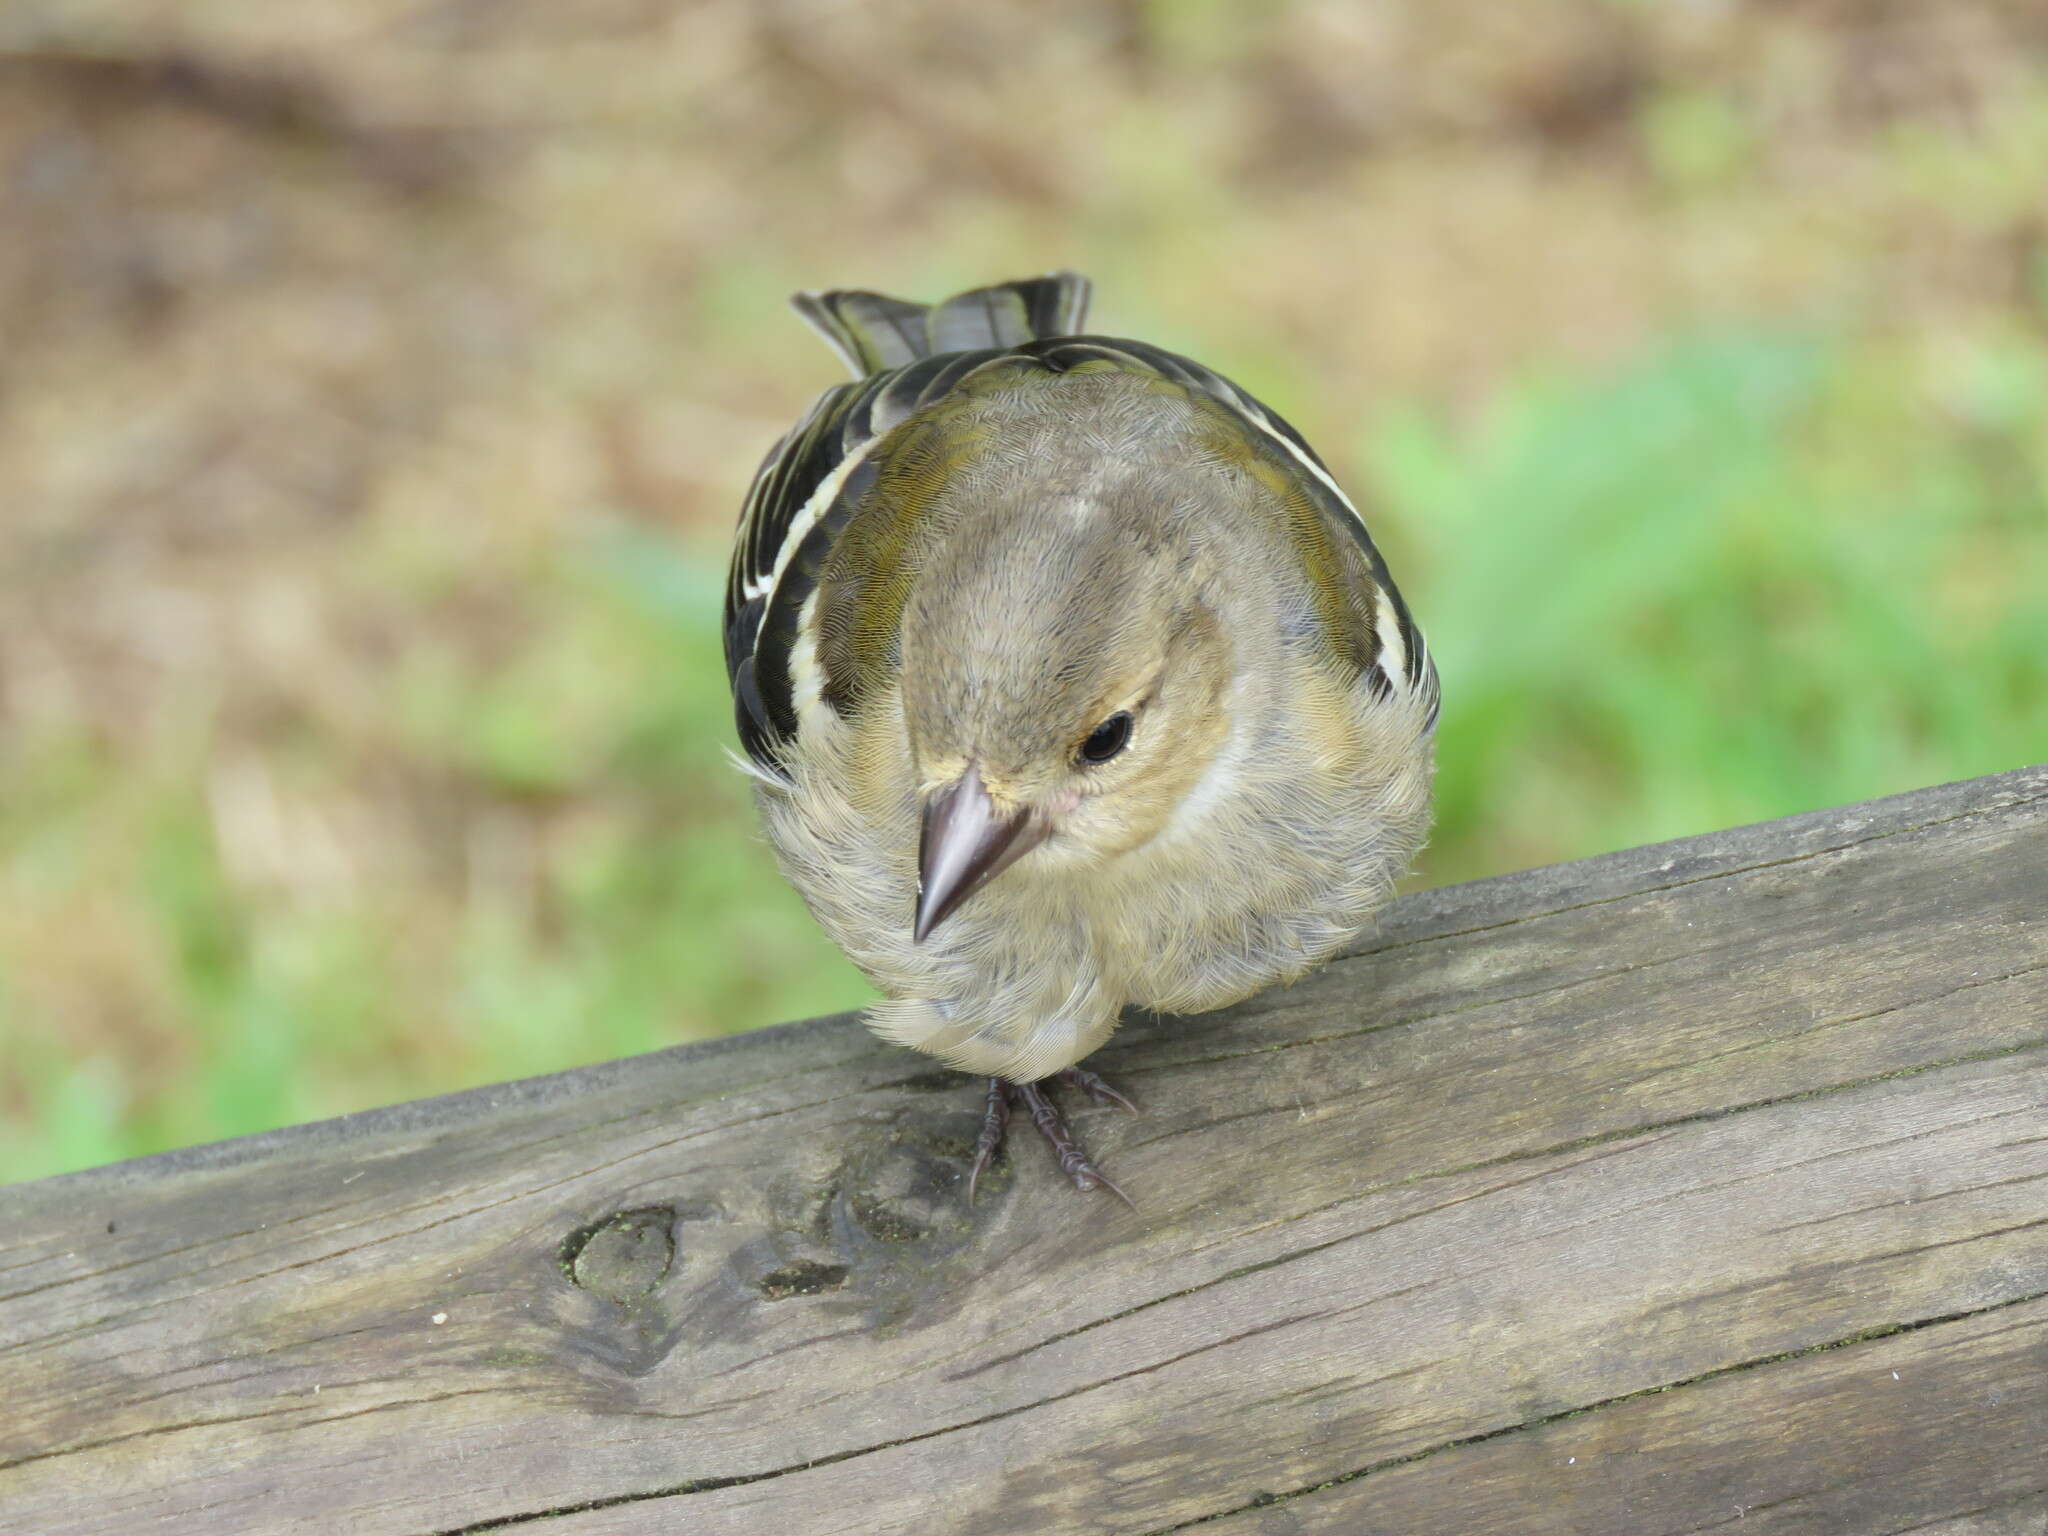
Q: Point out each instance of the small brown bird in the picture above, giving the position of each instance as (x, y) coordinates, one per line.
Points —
(1068, 680)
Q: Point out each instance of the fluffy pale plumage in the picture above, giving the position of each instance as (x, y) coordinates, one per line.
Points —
(966, 559)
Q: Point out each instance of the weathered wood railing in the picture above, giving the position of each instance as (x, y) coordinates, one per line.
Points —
(1696, 1186)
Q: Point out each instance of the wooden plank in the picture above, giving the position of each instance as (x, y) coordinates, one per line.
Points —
(1769, 1449)
(1679, 1118)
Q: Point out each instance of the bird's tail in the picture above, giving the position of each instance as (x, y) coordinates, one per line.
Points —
(872, 331)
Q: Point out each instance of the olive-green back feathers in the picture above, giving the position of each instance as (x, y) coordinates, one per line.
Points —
(826, 473)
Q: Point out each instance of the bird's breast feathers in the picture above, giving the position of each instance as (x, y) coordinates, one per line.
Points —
(1285, 849)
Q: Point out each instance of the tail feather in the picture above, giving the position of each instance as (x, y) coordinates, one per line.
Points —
(872, 331)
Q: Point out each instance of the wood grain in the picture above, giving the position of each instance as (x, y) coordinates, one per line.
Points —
(1603, 1198)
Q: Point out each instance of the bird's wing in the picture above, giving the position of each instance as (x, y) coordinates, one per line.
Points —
(801, 497)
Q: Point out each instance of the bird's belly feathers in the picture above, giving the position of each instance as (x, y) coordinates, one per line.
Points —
(1288, 861)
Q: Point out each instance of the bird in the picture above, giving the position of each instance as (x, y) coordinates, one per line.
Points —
(1069, 682)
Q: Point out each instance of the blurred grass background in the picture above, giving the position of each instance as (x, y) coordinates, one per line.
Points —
(378, 383)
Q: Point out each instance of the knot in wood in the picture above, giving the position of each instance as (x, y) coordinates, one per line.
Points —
(624, 1256)
(903, 1189)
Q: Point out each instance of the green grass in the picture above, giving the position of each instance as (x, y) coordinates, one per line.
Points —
(1747, 574)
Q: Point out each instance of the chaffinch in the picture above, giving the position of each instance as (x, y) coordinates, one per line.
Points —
(1068, 679)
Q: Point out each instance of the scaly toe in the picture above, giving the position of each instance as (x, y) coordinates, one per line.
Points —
(1091, 1083)
(1075, 1163)
(995, 1119)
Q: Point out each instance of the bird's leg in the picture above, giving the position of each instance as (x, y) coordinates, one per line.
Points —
(1074, 1162)
(995, 1119)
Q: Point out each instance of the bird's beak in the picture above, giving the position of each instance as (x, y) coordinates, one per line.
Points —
(967, 842)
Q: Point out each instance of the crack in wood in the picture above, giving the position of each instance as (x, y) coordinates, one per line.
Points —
(1263, 1500)
(1599, 1139)
(1862, 1336)
(1333, 1037)
(524, 1193)
(1824, 1026)
(1974, 812)
(244, 1418)
(1948, 1521)
(1890, 1205)
(709, 1485)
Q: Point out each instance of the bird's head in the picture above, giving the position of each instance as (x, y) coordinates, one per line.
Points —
(1063, 680)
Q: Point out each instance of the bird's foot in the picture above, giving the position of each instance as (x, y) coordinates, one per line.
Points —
(1074, 1162)
(1091, 1083)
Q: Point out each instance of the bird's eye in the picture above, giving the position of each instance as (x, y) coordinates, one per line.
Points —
(1108, 738)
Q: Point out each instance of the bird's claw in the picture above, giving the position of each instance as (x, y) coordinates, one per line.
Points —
(1074, 1162)
(1091, 1083)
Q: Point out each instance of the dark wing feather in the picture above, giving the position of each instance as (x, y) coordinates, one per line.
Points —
(783, 539)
